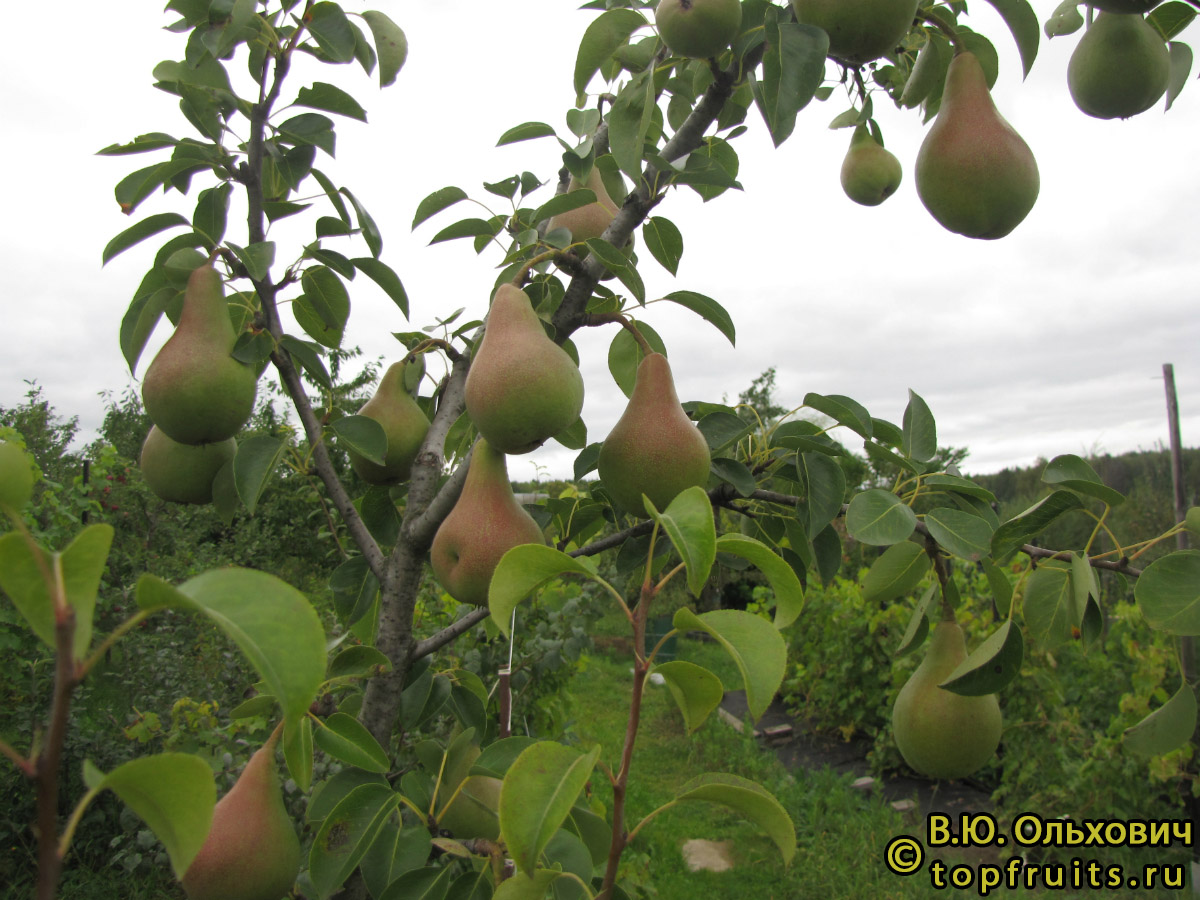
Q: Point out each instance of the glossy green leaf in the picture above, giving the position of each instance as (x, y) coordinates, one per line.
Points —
(153, 296)
(827, 549)
(697, 690)
(928, 72)
(380, 514)
(735, 473)
(386, 278)
(629, 123)
(298, 751)
(525, 132)
(1049, 605)
(959, 485)
(789, 594)
(324, 307)
(436, 202)
(919, 429)
(688, 522)
(331, 99)
(720, 429)
(567, 852)
(463, 229)
(1001, 587)
(328, 25)
(620, 265)
(1022, 21)
(708, 309)
(1168, 593)
(498, 756)
(426, 883)
(1180, 55)
(346, 739)
(306, 130)
(842, 410)
(991, 666)
(749, 799)
(82, 564)
(524, 569)
(962, 534)
(538, 792)
(1170, 18)
(135, 234)
(793, 67)
(174, 794)
(143, 143)
(625, 355)
(897, 572)
(918, 624)
(390, 44)
(346, 834)
(256, 459)
(309, 358)
(664, 242)
(879, 518)
(1168, 728)
(527, 887)
(1073, 473)
(603, 36)
(561, 203)
(394, 852)
(258, 705)
(257, 258)
(362, 434)
(358, 661)
(1025, 526)
(824, 483)
(211, 214)
(756, 647)
(1066, 19)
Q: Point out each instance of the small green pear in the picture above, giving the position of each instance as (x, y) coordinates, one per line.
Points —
(194, 390)
(698, 29)
(252, 851)
(859, 30)
(16, 476)
(939, 733)
(486, 522)
(522, 388)
(870, 174)
(590, 221)
(404, 423)
(654, 449)
(182, 473)
(1119, 68)
(974, 173)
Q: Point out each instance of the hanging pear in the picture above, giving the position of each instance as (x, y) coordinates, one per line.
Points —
(654, 448)
(252, 851)
(1119, 68)
(16, 477)
(522, 387)
(182, 473)
(194, 390)
(974, 173)
(870, 174)
(404, 423)
(859, 30)
(698, 29)
(590, 221)
(939, 733)
(486, 522)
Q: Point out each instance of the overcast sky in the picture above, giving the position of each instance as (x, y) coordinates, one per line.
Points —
(1048, 341)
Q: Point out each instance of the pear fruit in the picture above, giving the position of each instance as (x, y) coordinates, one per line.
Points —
(590, 221)
(182, 473)
(194, 390)
(939, 733)
(974, 173)
(522, 387)
(486, 522)
(870, 174)
(16, 476)
(698, 29)
(654, 449)
(252, 851)
(404, 423)
(859, 30)
(1119, 68)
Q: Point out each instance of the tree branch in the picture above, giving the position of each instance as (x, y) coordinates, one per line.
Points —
(450, 632)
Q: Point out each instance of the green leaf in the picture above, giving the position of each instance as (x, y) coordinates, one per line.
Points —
(697, 690)
(143, 143)
(525, 132)
(311, 130)
(298, 751)
(359, 661)
(625, 355)
(1025, 526)
(603, 36)
(82, 563)
(824, 483)
(629, 122)
(928, 72)
(708, 309)
(1022, 21)
(324, 307)
(257, 258)
(918, 624)
(1168, 593)
(960, 486)
(842, 410)
(427, 883)
(346, 834)
(688, 521)
(793, 67)
(498, 757)
(1168, 728)
(1073, 473)
(346, 739)
(1049, 605)
(212, 210)
(619, 264)
(1181, 68)
(664, 242)
(735, 473)
(364, 435)
(523, 886)
(272, 623)
(561, 203)
(524, 569)
(137, 233)
(331, 29)
(370, 231)
(256, 459)
(1066, 19)
(390, 44)
(436, 202)
(753, 643)
(992, 666)
(465, 228)
(174, 794)
(393, 853)
(898, 571)
(879, 518)
(383, 275)
(751, 800)
(920, 432)
(1168, 19)
(789, 594)
(720, 429)
(1001, 587)
(331, 99)
(309, 357)
(961, 533)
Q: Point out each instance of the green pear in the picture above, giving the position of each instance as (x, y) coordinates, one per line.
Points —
(939, 733)
(590, 221)
(252, 851)
(16, 476)
(859, 30)
(194, 390)
(1119, 67)
(870, 174)
(974, 173)
(404, 423)
(698, 29)
(486, 522)
(654, 449)
(522, 387)
(182, 473)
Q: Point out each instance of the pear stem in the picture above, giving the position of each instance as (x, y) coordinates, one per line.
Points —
(595, 319)
(949, 30)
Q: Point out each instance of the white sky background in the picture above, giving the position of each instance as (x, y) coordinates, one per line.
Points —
(1048, 341)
